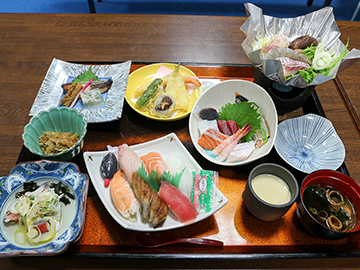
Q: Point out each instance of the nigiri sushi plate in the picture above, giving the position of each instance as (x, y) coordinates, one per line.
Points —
(233, 123)
(178, 85)
(130, 214)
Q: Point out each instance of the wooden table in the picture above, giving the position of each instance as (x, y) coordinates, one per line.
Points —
(30, 41)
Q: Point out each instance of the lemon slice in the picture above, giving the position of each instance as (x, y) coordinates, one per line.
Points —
(34, 233)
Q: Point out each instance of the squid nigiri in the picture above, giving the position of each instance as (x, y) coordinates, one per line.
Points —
(129, 161)
(123, 196)
(154, 162)
(179, 204)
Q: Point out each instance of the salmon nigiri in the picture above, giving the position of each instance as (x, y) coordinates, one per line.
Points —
(123, 196)
(129, 161)
(154, 162)
(179, 204)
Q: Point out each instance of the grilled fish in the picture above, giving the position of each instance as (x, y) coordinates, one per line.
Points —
(152, 208)
(102, 85)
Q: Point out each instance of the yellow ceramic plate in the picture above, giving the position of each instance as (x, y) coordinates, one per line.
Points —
(146, 74)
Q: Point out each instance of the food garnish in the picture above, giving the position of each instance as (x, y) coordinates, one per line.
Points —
(86, 76)
(242, 113)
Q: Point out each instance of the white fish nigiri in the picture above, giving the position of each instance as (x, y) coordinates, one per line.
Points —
(129, 161)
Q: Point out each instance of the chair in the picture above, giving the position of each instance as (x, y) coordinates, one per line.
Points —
(326, 3)
(356, 12)
(92, 6)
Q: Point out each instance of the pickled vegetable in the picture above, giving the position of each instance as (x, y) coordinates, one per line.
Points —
(109, 166)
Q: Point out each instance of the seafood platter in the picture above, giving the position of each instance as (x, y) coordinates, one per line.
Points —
(166, 152)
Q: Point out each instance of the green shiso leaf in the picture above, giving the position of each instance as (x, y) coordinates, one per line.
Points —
(242, 113)
(153, 179)
(86, 76)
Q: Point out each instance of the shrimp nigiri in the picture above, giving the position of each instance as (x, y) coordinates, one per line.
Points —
(129, 161)
(123, 196)
(154, 162)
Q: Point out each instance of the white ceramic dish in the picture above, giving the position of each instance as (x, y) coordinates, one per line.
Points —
(309, 143)
(59, 72)
(167, 145)
(222, 93)
(73, 214)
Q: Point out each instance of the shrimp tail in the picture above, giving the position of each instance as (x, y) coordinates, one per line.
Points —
(223, 152)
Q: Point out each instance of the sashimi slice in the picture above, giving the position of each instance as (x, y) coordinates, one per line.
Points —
(223, 127)
(129, 161)
(233, 126)
(291, 66)
(154, 162)
(179, 204)
(241, 151)
(224, 154)
(211, 138)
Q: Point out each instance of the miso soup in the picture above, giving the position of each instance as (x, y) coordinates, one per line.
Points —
(331, 208)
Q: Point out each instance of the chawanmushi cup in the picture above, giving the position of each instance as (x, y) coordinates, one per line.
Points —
(262, 209)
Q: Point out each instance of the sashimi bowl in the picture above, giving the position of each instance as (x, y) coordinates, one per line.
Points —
(309, 143)
(59, 123)
(242, 107)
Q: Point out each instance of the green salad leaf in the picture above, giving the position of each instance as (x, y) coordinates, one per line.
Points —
(242, 113)
(86, 76)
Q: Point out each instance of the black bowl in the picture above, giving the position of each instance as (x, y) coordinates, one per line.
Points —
(348, 187)
(286, 98)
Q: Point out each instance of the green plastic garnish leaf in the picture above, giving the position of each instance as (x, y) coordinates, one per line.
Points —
(86, 76)
(242, 113)
(153, 179)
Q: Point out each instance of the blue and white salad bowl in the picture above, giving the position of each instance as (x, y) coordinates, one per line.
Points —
(74, 216)
(309, 143)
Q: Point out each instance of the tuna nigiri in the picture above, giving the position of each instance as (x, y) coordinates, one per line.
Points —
(129, 161)
(123, 196)
(179, 204)
(211, 138)
(154, 162)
